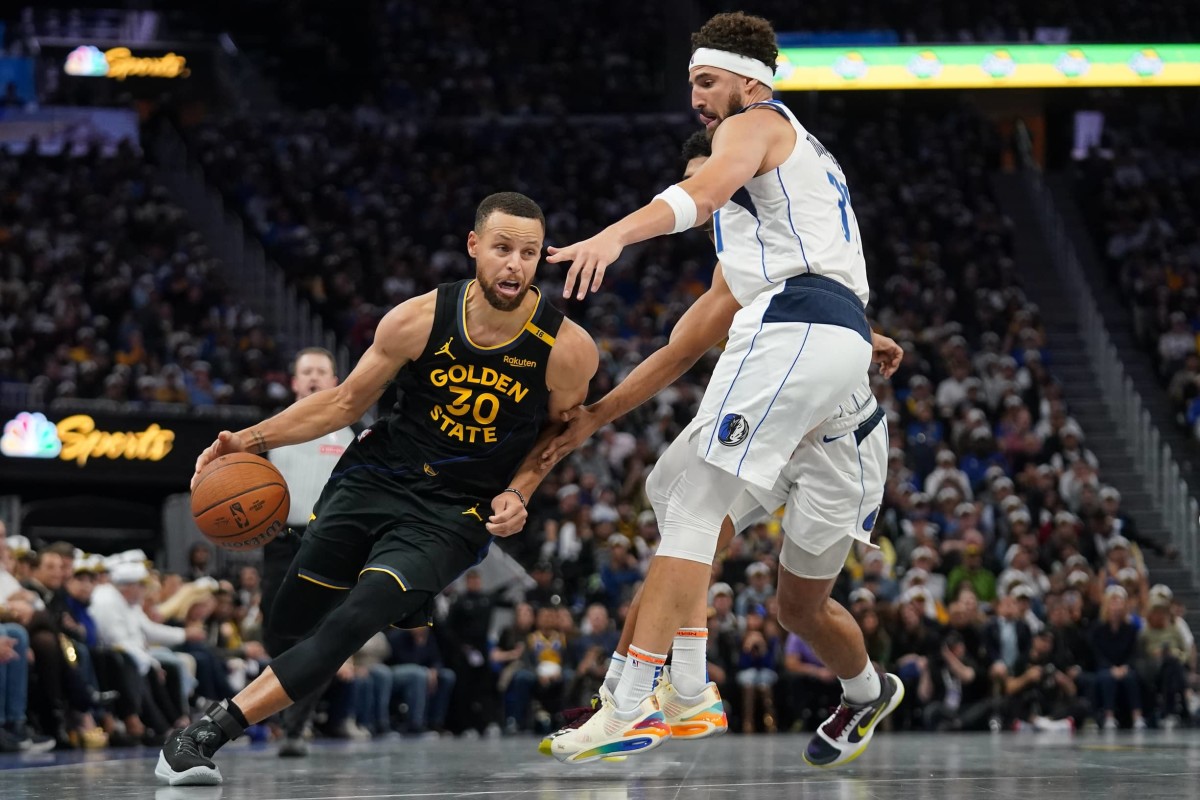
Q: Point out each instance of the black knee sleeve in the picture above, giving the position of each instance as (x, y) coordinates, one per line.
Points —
(371, 606)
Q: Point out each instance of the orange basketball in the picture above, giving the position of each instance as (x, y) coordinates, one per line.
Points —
(241, 502)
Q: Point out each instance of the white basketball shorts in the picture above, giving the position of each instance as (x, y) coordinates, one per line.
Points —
(794, 354)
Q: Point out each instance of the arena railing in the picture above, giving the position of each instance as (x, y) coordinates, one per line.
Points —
(1151, 456)
(263, 284)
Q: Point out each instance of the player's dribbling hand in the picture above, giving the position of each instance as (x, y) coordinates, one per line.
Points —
(227, 442)
(589, 259)
(581, 423)
(886, 353)
(508, 515)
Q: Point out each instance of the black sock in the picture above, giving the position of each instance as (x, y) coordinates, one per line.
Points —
(228, 719)
(237, 714)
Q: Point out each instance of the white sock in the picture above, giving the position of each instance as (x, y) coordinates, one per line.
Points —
(864, 688)
(689, 661)
(637, 679)
(616, 666)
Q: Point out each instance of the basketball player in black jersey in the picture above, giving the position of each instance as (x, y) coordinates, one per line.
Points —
(485, 366)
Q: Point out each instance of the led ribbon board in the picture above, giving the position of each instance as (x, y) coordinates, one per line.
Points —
(1020, 66)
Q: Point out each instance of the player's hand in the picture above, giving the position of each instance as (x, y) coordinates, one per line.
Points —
(886, 353)
(227, 442)
(581, 422)
(508, 515)
(589, 259)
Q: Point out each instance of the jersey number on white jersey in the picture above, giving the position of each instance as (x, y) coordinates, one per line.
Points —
(849, 221)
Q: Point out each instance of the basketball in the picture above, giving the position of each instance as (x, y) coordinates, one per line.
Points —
(241, 502)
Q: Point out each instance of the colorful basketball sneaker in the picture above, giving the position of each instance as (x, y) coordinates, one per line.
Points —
(696, 717)
(604, 734)
(574, 717)
(845, 735)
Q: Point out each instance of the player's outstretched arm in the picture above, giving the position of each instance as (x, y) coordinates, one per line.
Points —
(701, 328)
(400, 337)
(739, 148)
(573, 362)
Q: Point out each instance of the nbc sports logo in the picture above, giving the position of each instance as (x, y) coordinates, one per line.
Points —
(30, 435)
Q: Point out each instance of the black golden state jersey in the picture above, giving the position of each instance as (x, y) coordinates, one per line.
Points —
(469, 414)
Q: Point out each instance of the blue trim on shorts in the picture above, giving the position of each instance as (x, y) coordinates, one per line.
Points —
(864, 430)
(819, 300)
(746, 452)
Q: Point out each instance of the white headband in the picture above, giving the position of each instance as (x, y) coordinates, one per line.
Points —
(732, 62)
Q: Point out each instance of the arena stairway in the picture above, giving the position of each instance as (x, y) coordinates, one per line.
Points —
(1068, 362)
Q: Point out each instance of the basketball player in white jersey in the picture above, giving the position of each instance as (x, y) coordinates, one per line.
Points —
(692, 705)
(791, 256)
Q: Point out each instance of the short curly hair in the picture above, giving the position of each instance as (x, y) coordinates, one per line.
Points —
(739, 33)
(698, 145)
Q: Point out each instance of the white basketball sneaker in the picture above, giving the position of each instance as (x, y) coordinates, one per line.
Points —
(605, 734)
(696, 717)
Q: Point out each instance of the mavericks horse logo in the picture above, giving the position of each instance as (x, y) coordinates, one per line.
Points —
(733, 430)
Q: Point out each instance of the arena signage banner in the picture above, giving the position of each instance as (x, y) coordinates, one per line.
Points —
(1019, 66)
(119, 63)
(87, 446)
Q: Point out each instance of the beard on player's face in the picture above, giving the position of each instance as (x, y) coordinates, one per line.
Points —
(497, 300)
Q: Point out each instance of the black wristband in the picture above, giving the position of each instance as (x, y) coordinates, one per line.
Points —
(517, 492)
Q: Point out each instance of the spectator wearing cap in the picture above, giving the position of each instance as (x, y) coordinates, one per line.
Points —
(914, 643)
(980, 456)
(925, 559)
(1070, 449)
(1163, 654)
(1125, 525)
(972, 571)
(759, 591)
(1066, 539)
(465, 642)
(1074, 479)
(1020, 569)
(923, 436)
(10, 585)
(875, 577)
(948, 474)
(1119, 554)
(122, 625)
(1026, 601)
(756, 672)
(953, 389)
(15, 735)
(720, 600)
(546, 589)
(621, 572)
(1160, 591)
(1114, 644)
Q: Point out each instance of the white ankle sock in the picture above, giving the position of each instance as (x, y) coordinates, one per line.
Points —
(864, 688)
(637, 679)
(689, 661)
(616, 666)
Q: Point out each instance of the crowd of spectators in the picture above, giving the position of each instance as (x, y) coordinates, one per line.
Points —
(107, 292)
(1009, 589)
(364, 210)
(1141, 191)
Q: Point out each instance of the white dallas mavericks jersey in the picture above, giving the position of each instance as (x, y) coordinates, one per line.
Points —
(793, 220)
